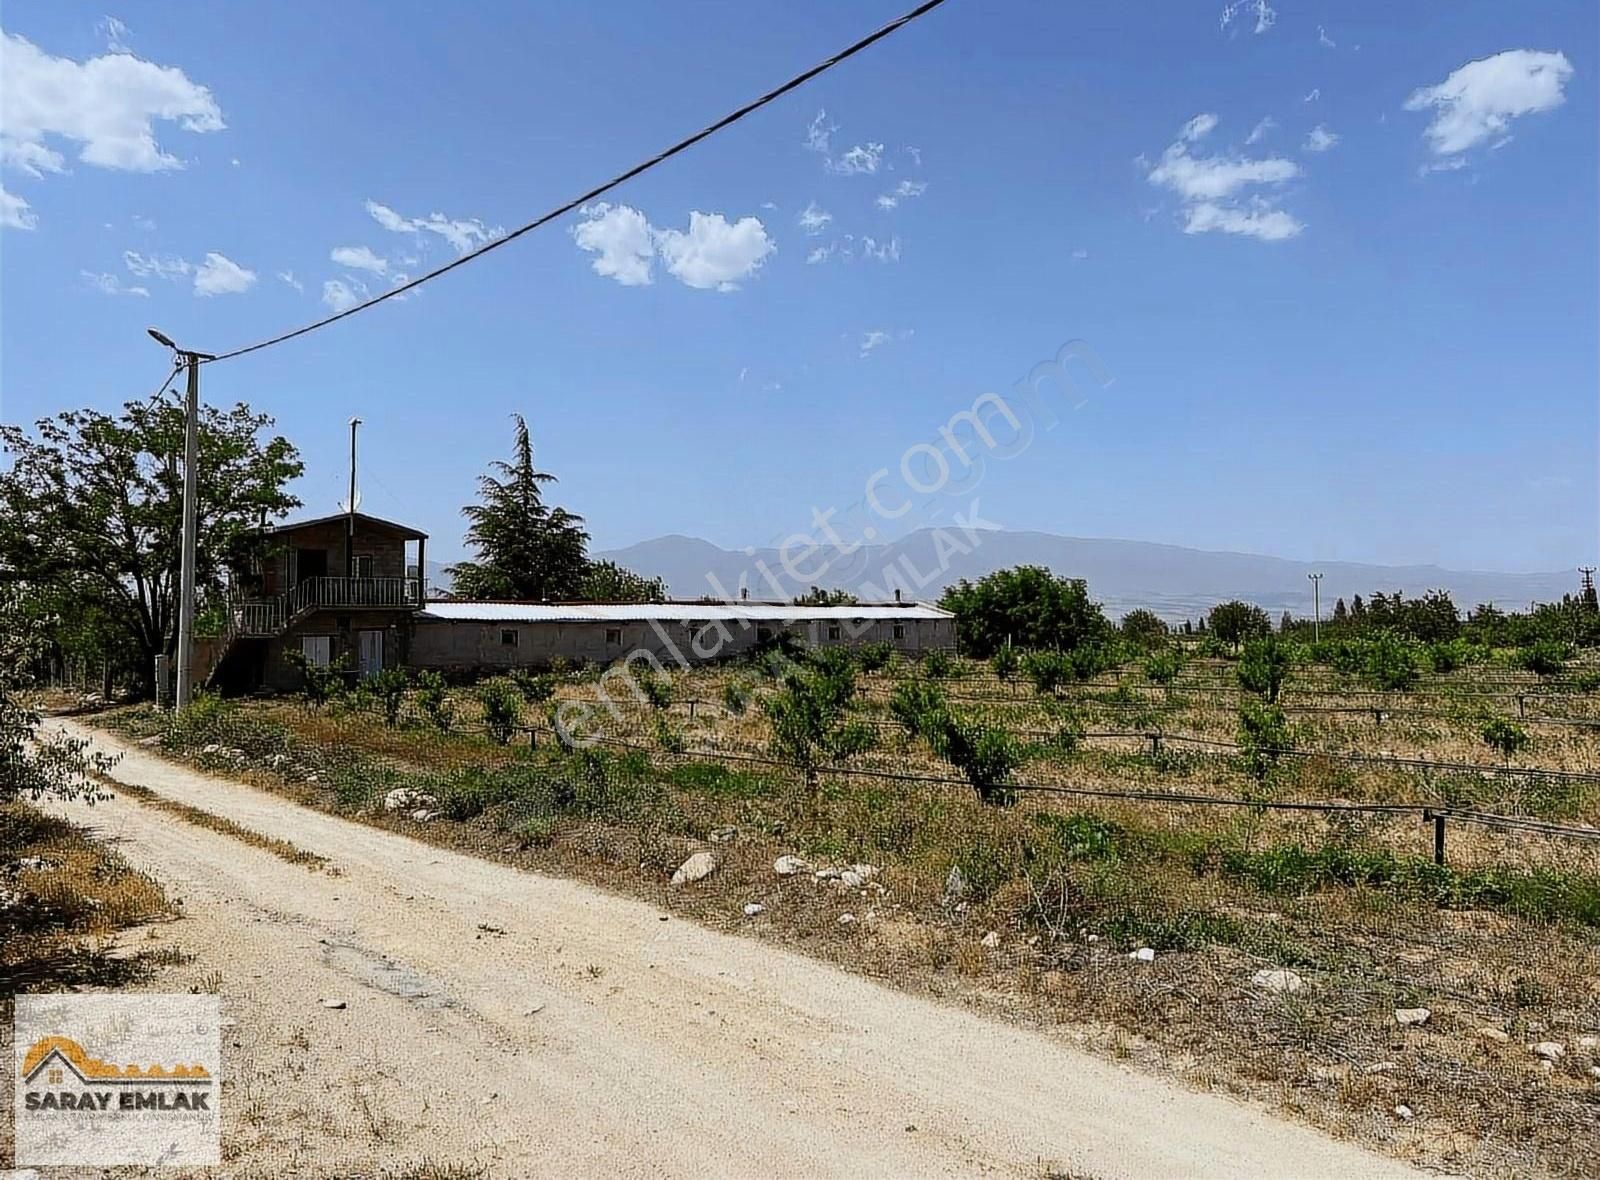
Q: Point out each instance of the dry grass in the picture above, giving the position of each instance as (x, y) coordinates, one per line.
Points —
(1069, 888)
(282, 849)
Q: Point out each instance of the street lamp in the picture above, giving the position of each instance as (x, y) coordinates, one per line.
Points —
(1316, 607)
(191, 459)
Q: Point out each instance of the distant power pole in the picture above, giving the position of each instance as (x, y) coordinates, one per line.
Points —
(1588, 598)
(1316, 607)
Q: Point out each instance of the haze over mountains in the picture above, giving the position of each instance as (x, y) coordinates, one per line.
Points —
(1171, 580)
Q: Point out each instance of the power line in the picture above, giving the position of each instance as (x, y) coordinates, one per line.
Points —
(600, 190)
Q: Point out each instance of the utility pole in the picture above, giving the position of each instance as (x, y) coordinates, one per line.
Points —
(191, 463)
(1316, 607)
(350, 516)
(1587, 600)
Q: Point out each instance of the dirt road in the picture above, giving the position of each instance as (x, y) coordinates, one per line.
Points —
(533, 1025)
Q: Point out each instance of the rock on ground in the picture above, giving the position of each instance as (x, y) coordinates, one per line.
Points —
(1277, 979)
(790, 866)
(1411, 1016)
(698, 867)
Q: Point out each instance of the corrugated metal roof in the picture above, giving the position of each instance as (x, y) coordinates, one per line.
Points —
(670, 612)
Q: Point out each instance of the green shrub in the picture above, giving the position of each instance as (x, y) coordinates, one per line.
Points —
(434, 701)
(1390, 663)
(1047, 671)
(388, 688)
(919, 706)
(874, 657)
(735, 698)
(319, 683)
(1505, 736)
(1163, 665)
(502, 708)
(1263, 736)
(657, 689)
(936, 665)
(985, 756)
(1548, 657)
(1264, 667)
(535, 687)
(1006, 663)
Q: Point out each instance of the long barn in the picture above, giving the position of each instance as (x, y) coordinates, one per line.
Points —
(469, 638)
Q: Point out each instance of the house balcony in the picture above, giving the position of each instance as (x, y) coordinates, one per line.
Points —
(269, 616)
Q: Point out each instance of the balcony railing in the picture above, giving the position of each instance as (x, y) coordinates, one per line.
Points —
(354, 592)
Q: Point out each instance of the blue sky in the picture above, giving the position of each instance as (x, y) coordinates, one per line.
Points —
(1344, 278)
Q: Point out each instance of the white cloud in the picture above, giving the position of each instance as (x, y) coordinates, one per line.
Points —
(903, 191)
(220, 275)
(715, 253)
(863, 158)
(15, 213)
(169, 267)
(814, 219)
(915, 153)
(1212, 189)
(287, 276)
(821, 253)
(873, 339)
(343, 294)
(107, 104)
(359, 258)
(1324, 40)
(1313, 94)
(1266, 16)
(1080, 254)
(114, 33)
(110, 284)
(1259, 131)
(819, 135)
(1258, 219)
(712, 254)
(1320, 139)
(463, 234)
(143, 223)
(1478, 101)
(881, 251)
(621, 239)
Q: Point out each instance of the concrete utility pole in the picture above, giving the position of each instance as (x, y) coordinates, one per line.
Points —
(350, 516)
(1316, 607)
(191, 464)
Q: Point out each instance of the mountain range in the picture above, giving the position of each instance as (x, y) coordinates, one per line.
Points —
(1174, 581)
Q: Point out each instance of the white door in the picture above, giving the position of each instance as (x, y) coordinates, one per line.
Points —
(318, 650)
(370, 653)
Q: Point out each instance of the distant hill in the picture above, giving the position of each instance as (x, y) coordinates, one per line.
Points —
(1171, 580)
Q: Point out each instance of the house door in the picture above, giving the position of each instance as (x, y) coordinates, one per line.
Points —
(370, 653)
(310, 563)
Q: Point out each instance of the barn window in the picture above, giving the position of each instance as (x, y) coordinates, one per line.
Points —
(763, 634)
(833, 632)
(508, 637)
(614, 635)
(899, 630)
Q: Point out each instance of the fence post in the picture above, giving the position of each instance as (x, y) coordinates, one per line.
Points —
(1522, 707)
(1438, 833)
(692, 703)
(1155, 742)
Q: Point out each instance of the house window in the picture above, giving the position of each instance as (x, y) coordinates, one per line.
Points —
(508, 637)
(763, 634)
(614, 635)
(363, 565)
(317, 649)
(899, 630)
(834, 632)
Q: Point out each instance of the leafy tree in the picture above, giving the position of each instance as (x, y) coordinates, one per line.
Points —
(31, 766)
(735, 698)
(319, 683)
(434, 701)
(535, 687)
(1340, 612)
(1162, 666)
(919, 706)
(1264, 667)
(811, 723)
(1505, 736)
(1027, 606)
(936, 664)
(1234, 622)
(1390, 663)
(657, 690)
(1047, 670)
(874, 657)
(388, 688)
(1264, 736)
(1547, 657)
(1144, 629)
(985, 756)
(606, 581)
(817, 596)
(91, 513)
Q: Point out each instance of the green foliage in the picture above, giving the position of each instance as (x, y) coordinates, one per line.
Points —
(936, 664)
(91, 509)
(606, 581)
(811, 722)
(1547, 657)
(985, 756)
(817, 596)
(919, 706)
(1005, 662)
(1587, 681)
(1264, 737)
(1028, 607)
(1144, 629)
(1390, 662)
(656, 689)
(1234, 622)
(502, 708)
(388, 688)
(735, 698)
(1163, 665)
(319, 683)
(434, 701)
(1047, 671)
(535, 687)
(874, 657)
(667, 737)
(1505, 736)
(1264, 667)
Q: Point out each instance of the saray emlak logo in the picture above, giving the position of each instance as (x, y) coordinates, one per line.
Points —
(117, 1079)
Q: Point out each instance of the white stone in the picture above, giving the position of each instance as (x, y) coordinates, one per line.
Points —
(991, 939)
(1411, 1016)
(698, 867)
(847, 919)
(955, 884)
(753, 908)
(405, 799)
(1277, 979)
(849, 879)
(1403, 1112)
(865, 872)
(422, 815)
(828, 874)
(1144, 955)
(790, 866)
(1498, 1035)
(333, 1003)
(1380, 1067)
(1594, 1072)
(724, 835)
(1549, 1050)
(1588, 1042)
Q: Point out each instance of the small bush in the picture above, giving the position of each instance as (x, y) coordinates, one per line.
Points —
(1548, 657)
(319, 683)
(874, 657)
(1006, 663)
(1264, 667)
(502, 708)
(535, 687)
(434, 701)
(388, 688)
(1505, 736)
(936, 665)
(1390, 663)
(1264, 736)
(1163, 665)
(735, 698)
(985, 756)
(919, 706)
(657, 690)
(1047, 670)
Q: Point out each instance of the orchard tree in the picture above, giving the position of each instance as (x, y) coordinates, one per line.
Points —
(606, 581)
(91, 515)
(1144, 629)
(1234, 622)
(1028, 607)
